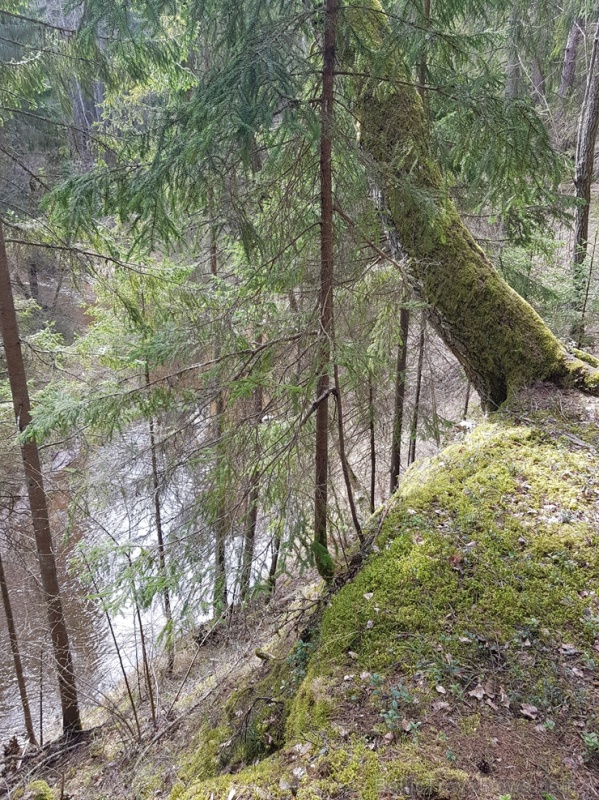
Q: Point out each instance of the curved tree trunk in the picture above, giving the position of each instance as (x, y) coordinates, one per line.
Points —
(501, 342)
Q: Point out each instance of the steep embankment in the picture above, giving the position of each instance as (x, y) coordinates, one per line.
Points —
(460, 661)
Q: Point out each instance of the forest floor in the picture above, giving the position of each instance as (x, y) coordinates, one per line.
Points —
(460, 661)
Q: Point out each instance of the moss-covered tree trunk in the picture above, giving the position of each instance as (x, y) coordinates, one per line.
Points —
(501, 342)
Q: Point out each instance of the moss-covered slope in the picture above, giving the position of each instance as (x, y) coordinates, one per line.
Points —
(460, 661)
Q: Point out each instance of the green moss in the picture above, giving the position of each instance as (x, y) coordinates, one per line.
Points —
(310, 709)
(204, 758)
(496, 335)
(586, 357)
(39, 790)
(352, 770)
(487, 562)
(489, 545)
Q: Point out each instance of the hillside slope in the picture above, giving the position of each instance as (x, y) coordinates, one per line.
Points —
(460, 661)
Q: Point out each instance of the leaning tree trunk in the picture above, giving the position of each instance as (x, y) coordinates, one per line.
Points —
(583, 173)
(501, 342)
(71, 720)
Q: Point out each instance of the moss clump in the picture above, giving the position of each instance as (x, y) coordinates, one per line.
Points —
(39, 790)
(204, 759)
(488, 559)
(350, 770)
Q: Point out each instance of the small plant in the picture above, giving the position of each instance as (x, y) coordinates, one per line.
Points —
(398, 695)
(376, 680)
(298, 660)
(591, 744)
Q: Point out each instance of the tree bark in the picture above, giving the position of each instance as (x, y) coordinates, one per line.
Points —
(372, 438)
(166, 597)
(71, 719)
(251, 524)
(416, 410)
(538, 82)
(513, 69)
(343, 456)
(583, 173)
(400, 397)
(217, 409)
(570, 56)
(16, 655)
(498, 338)
(323, 560)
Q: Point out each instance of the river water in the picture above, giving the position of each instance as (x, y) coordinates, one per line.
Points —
(109, 522)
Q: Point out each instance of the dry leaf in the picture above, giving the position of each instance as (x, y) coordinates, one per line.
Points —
(528, 711)
(569, 649)
(478, 692)
(455, 560)
(441, 689)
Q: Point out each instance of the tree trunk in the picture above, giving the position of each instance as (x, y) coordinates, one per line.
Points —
(583, 173)
(513, 69)
(538, 83)
(343, 456)
(498, 338)
(274, 564)
(322, 557)
(71, 719)
(416, 411)
(251, 524)
(217, 409)
(16, 655)
(166, 597)
(400, 397)
(33, 282)
(570, 55)
(372, 438)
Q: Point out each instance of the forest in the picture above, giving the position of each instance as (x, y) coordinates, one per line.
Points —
(299, 399)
